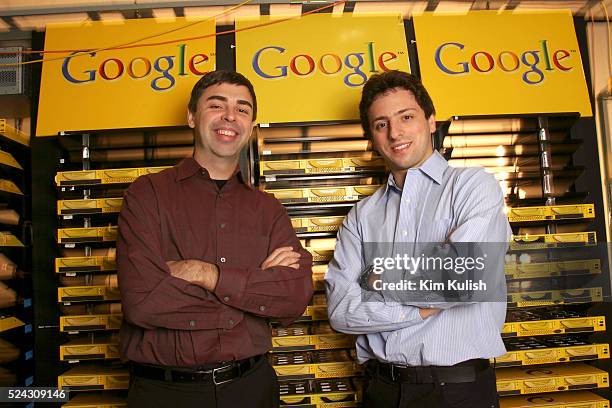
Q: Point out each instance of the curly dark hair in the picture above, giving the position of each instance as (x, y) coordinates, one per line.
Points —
(381, 83)
(220, 77)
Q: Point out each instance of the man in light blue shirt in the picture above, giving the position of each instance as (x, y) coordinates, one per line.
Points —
(419, 354)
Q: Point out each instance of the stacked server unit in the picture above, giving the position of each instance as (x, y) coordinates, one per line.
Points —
(96, 171)
(318, 173)
(557, 274)
(16, 318)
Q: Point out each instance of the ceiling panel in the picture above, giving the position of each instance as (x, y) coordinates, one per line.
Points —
(68, 10)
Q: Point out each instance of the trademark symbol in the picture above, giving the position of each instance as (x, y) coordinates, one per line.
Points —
(401, 52)
(573, 51)
(213, 54)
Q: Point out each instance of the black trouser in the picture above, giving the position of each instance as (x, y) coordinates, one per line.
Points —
(382, 392)
(257, 388)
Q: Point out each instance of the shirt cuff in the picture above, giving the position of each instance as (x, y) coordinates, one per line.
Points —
(231, 285)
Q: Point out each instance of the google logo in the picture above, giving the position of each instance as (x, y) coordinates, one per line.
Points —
(506, 61)
(139, 68)
(302, 65)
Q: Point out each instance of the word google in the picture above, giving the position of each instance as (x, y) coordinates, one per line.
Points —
(507, 61)
(302, 65)
(138, 68)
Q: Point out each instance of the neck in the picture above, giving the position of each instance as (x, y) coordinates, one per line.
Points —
(219, 168)
(399, 176)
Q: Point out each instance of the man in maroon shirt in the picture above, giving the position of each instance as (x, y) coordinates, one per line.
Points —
(205, 262)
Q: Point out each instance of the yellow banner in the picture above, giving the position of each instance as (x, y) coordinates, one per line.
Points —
(135, 87)
(313, 68)
(492, 63)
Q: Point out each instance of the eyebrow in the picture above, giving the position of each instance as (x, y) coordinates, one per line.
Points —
(399, 112)
(224, 99)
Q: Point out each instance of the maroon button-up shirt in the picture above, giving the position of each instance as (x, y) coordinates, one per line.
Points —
(178, 214)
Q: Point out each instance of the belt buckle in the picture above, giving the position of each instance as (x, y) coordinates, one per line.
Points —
(214, 375)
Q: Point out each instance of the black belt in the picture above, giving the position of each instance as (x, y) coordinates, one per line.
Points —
(225, 372)
(463, 372)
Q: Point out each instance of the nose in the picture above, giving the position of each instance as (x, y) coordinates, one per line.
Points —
(228, 114)
(394, 130)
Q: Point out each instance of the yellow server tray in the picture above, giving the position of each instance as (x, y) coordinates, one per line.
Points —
(302, 365)
(306, 342)
(316, 224)
(555, 297)
(322, 249)
(549, 269)
(9, 323)
(13, 134)
(526, 380)
(318, 277)
(76, 264)
(104, 348)
(551, 212)
(97, 400)
(323, 194)
(91, 206)
(90, 322)
(576, 399)
(87, 293)
(92, 378)
(541, 241)
(324, 392)
(553, 355)
(557, 326)
(328, 400)
(93, 234)
(317, 312)
(9, 240)
(107, 176)
(9, 187)
(321, 166)
(7, 159)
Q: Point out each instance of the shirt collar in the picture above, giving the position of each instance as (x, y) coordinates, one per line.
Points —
(433, 167)
(189, 167)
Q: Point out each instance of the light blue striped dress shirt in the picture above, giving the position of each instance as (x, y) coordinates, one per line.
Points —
(437, 203)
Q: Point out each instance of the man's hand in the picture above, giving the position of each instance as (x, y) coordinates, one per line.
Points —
(198, 272)
(283, 256)
(425, 313)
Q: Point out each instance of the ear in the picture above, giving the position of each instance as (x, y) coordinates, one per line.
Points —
(432, 123)
(190, 120)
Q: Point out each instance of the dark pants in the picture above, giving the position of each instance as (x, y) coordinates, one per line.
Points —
(381, 392)
(257, 388)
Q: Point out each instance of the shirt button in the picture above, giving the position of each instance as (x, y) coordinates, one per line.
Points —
(221, 225)
(404, 233)
(222, 260)
(226, 298)
(192, 323)
(231, 322)
(262, 308)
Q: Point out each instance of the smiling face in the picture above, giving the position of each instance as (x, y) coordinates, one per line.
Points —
(222, 122)
(400, 131)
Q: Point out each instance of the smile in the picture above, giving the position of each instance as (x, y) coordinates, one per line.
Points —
(226, 132)
(400, 148)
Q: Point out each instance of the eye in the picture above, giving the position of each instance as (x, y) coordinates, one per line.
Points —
(244, 111)
(380, 125)
(215, 106)
(407, 117)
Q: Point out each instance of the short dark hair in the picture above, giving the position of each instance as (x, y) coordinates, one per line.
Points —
(381, 83)
(220, 77)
